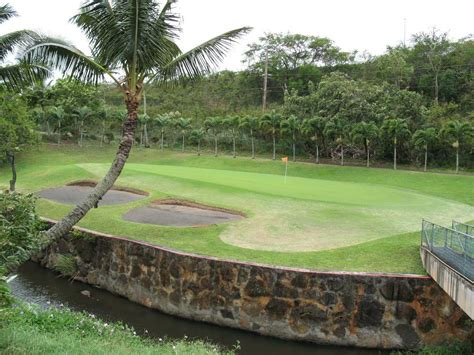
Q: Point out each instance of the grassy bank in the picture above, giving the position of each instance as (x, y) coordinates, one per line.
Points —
(30, 330)
(324, 217)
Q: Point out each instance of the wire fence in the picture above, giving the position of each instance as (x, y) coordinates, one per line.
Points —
(463, 228)
(453, 247)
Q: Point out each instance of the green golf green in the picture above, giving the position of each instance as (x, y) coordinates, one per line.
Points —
(323, 217)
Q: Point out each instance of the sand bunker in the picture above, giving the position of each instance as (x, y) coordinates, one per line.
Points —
(179, 213)
(75, 192)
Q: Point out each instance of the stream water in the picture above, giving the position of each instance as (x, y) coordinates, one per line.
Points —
(37, 285)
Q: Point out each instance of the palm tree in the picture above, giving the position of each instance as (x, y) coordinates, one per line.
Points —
(197, 135)
(457, 133)
(396, 129)
(251, 123)
(104, 115)
(233, 123)
(423, 138)
(183, 124)
(292, 127)
(138, 40)
(58, 115)
(143, 120)
(314, 129)
(162, 122)
(336, 129)
(213, 126)
(271, 123)
(82, 114)
(365, 133)
(20, 74)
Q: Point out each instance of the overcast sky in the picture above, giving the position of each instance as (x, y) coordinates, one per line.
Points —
(360, 25)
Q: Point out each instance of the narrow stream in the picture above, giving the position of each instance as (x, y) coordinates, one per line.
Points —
(41, 286)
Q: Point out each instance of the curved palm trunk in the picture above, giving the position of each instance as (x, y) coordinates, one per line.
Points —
(215, 146)
(274, 146)
(253, 144)
(129, 127)
(11, 159)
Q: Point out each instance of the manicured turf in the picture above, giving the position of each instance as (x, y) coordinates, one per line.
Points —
(323, 217)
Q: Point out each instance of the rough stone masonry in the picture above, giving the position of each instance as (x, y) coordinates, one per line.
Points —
(341, 308)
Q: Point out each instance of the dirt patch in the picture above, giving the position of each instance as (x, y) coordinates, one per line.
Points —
(73, 194)
(92, 183)
(181, 213)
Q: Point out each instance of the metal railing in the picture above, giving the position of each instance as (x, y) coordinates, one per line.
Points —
(452, 246)
(463, 228)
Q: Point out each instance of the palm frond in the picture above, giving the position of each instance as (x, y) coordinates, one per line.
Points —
(203, 58)
(23, 74)
(66, 58)
(12, 40)
(6, 12)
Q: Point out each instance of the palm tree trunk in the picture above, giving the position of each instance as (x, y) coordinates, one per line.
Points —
(81, 134)
(368, 157)
(162, 137)
(233, 146)
(48, 128)
(11, 159)
(183, 145)
(59, 133)
(73, 217)
(317, 154)
(274, 147)
(457, 160)
(426, 159)
(102, 140)
(253, 144)
(342, 154)
(215, 146)
(395, 156)
(145, 131)
(199, 148)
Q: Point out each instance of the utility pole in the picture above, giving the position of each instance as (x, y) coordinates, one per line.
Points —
(265, 81)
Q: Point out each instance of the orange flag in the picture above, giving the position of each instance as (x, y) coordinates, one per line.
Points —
(284, 159)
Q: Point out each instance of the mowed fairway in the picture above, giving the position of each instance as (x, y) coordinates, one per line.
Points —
(323, 217)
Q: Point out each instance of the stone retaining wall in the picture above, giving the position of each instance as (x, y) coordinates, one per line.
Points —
(343, 308)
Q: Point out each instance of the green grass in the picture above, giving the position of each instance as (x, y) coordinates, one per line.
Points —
(324, 217)
(30, 330)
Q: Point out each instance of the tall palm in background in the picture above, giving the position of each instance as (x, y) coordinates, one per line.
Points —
(314, 129)
(133, 43)
(292, 127)
(183, 124)
(162, 122)
(19, 74)
(213, 126)
(251, 124)
(271, 123)
(336, 129)
(58, 115)
(396, 129)
(365, 133)
(457, 133)
(424, 138)
(197, 135)
(82, 114)
(233, 124)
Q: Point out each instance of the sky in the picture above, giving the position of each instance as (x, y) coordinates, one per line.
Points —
(362, 25)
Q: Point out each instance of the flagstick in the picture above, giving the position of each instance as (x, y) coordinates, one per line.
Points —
(286, 170)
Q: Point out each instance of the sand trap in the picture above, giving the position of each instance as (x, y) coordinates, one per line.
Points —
(75, 192)
(178, 213)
